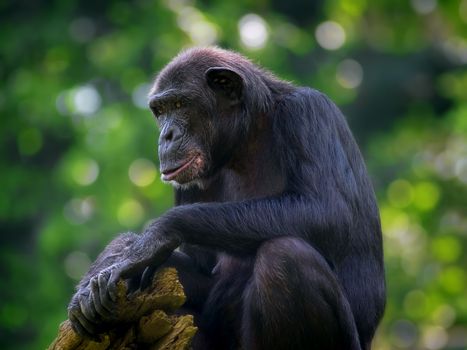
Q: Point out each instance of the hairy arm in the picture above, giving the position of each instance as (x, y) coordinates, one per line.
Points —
(240, 227)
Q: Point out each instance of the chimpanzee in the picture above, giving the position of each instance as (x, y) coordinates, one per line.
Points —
(276, 220)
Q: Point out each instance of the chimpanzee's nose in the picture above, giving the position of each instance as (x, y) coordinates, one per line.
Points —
(170, 137)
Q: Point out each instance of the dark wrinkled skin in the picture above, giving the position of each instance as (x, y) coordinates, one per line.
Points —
(276, 221)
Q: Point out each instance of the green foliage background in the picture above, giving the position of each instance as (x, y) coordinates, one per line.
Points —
(78, 147)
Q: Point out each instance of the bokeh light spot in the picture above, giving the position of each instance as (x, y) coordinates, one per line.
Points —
(452, 279)
(446, 248)
(393, 221)
(415, 303)
(424, 7)
(78, 211)
(400, 193)
(203, 33)
(187, 17)
(82, 29)
(142, 172)
(330, 35)
(426, 195)
(444, 315)
(177, 5)
(193, 22)
(404, 334)
(86, 100)
(130, 213)
(455, 49)
(253, 31)
(85, 171)
(460, 169)
(434, 337)
(349, 74)
(444, 164)
(140, 95)
(77, 264)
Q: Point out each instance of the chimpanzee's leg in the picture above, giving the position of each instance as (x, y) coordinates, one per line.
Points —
(221, 321)
(294, 301)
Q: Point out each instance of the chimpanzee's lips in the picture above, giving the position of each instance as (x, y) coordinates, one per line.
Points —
(168, 175)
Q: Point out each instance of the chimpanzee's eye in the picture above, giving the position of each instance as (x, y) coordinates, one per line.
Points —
(157, 109)
(178, 104)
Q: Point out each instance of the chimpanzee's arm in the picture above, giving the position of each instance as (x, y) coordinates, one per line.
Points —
(240, 227)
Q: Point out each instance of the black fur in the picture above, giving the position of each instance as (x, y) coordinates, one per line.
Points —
(279, 229)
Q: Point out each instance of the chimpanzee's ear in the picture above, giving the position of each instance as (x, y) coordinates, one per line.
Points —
(225, 82)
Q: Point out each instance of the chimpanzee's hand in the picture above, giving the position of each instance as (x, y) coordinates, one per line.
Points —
(93, 308)
(81, 324)
(151, 250)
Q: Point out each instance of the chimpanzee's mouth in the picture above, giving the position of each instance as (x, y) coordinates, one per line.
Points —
(170, 174)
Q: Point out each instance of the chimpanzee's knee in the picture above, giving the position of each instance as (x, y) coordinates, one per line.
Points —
(294, 301)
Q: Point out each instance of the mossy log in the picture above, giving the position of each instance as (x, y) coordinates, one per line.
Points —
(145, 320)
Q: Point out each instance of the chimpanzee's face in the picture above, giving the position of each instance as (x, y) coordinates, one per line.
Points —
(197, 127)
(182, 141)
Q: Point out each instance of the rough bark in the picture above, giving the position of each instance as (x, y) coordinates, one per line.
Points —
(145, 320)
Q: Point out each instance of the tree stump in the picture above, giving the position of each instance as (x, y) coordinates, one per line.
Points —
(145, 320)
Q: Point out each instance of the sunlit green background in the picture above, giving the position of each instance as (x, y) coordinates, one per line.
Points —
(78, 145)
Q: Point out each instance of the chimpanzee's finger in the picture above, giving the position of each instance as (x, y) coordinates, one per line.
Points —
(82, 326)
(87, 309)
(77, 327)
(112, 284)
(104, 295)
(96, 298)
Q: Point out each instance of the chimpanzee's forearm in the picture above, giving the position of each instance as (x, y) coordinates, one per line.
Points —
(240, 227)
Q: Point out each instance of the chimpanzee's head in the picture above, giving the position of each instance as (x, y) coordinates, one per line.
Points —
(199, 101)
